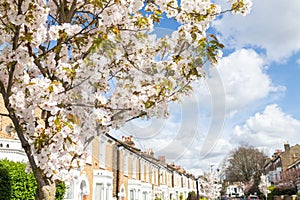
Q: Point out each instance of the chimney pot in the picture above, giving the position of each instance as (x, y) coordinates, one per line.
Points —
(286, 147)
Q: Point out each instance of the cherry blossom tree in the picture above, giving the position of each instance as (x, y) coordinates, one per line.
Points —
(209, 185)
(264, 185)
(71, 70)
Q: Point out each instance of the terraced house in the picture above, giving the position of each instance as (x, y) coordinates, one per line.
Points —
(115, 169)
(118, 170)
(280, 162)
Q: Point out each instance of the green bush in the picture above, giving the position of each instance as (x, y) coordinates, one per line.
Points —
(180, 196)
(284, 191)
(192, 195)
(60, 191)
(16, 184)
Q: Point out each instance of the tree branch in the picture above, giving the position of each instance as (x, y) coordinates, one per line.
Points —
(4, 115)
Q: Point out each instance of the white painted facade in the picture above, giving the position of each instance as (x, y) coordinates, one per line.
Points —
(102, 185)
(234, 190)
(77, 188)
(12, 150)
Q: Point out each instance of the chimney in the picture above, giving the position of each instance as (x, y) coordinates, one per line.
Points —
(172, 164)
(162, 159)
(150, 152)
(286, 147)
(128, 140)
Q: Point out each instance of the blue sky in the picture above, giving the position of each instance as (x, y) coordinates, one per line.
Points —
(250, 98)
(288, 74)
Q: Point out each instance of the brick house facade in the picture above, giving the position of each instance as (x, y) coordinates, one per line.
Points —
(115, 169)
(130, 174)
(280, 162)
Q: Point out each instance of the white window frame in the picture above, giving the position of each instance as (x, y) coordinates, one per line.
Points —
(69, 194)
(102, 153)
(147, 173)
(103, 178)
(101, 185)
(152, 175)
(132, 194)
(134, 159)
(125, 161)
(142, 167)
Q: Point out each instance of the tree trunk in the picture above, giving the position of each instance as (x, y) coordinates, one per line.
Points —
(45, 187)
(46, 192)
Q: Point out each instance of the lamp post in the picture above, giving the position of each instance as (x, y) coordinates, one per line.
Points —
(197, 188)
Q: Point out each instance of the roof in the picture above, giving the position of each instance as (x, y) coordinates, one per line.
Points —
(149, 158)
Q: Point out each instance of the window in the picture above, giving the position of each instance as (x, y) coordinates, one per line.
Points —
(83, 189)
(134, 167)
(152, 176)
(125, 163)
(144, 195)
(102, 184)
(89, 152)
(102, 152)
(142, 170)
(108, 192)
(69, 191)
(137, 195)
(131, 193)
(99, 192)
(122, 193)
(147, 173)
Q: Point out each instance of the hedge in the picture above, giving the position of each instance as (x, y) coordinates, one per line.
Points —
(16, 184)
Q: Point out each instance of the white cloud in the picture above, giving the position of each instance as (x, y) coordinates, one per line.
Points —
(268, 130)
(170, 137)
(240, 80)
(193, 135)
(244, 79)
(272, 25)
(190, 137)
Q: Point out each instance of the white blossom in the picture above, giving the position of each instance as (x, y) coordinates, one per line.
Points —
(70, 72)
(210, 186)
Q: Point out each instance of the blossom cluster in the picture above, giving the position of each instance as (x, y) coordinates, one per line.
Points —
(72, 70)
(210, 186)
(241, 6)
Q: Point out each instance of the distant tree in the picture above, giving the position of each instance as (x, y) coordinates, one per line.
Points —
(245, 165)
